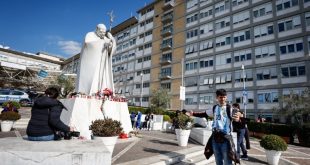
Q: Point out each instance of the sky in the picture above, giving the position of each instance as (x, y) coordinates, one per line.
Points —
(58, 27)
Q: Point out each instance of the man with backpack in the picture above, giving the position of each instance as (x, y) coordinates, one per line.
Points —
(220, 143)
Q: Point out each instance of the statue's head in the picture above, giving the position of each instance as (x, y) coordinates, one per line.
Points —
(101, 30)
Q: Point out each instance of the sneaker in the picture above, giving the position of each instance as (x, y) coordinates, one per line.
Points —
(244, 157)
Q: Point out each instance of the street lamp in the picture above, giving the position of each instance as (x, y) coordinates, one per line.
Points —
(141, 89)
(244, 94)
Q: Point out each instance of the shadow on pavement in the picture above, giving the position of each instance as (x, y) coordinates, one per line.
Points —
(255, 160)
(170, 154)
(163, 142)
(156, 151)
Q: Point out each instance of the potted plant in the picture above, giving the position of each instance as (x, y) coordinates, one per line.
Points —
(183, 129)
(7, 120)
(106, 130)
(274, 145)
(14, 104)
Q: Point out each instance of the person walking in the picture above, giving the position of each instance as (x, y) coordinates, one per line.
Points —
(133, 119)
(240, 128)
(138, 122)
(150, 123)
(221, 143)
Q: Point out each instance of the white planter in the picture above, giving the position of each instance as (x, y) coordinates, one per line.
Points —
(177, 133)
(6, 125)
(166, 125)
(109, 142)
(273, 156)
(182, 136)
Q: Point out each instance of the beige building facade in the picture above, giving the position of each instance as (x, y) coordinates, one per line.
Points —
(271, 39)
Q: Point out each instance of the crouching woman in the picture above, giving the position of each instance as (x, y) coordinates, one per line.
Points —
(45, 117)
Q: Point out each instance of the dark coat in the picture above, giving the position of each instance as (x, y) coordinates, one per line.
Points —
(45, 117)
(209, 148)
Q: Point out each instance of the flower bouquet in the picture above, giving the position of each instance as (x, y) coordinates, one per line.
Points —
(105, 94)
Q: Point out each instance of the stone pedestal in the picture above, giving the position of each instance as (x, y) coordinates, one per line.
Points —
(80, 113)
(77, 152)
(118, 111)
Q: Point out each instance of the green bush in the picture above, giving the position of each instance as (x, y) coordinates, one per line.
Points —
(171, 114)
(158, 111)
(166, 118)
(15, 104)
(271, 128)
(281, 130)
(273, 142)
(184, 121)
(106, 127)
(136, 109)
(9, 115)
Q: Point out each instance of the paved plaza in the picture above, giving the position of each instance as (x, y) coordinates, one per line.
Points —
(151, 147)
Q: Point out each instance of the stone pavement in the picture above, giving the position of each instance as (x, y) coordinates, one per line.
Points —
(156, 147)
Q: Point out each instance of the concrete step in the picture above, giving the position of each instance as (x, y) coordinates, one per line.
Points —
(192, 156)
(197, 160)
(170, 158)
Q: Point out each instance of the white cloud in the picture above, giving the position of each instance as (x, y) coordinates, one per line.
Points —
(70, 47)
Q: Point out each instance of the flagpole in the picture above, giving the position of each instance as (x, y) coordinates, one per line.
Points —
(244, 95)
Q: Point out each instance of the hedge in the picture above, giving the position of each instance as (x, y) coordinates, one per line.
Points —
(271, 128)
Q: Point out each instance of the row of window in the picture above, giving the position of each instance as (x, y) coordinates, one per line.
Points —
(285, 47)
(147, 58)
(220, 25)
(263, 97)
(287, 71)
(223, 7)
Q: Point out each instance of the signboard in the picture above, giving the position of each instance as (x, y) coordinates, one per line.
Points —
(182, 93)
(245, 97)
(42, 73)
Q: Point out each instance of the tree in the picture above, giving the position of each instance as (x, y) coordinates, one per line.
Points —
(160, 100)
(296, 106)
(66, 85)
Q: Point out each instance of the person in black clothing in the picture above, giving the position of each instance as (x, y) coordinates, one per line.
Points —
(146, 120)
(45, 117)
(133, 119)
(175, 123)
(240, 128)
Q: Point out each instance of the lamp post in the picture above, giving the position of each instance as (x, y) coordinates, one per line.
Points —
(141, 89)
(244, 94)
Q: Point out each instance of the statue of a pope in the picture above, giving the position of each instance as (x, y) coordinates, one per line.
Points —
(95, 70)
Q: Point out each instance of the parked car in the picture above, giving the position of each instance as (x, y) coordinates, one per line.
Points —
(15, 95)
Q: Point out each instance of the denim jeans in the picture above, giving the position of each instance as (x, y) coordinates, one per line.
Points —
(220, 151)
(41, 138)
(240, 144)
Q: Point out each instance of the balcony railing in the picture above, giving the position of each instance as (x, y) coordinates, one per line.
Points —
(167, 18)
(165, 76)
(165, 61)
(166, 46)
(168, 5)
(167, 32)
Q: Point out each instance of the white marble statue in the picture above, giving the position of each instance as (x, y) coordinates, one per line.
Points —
(95, 70)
